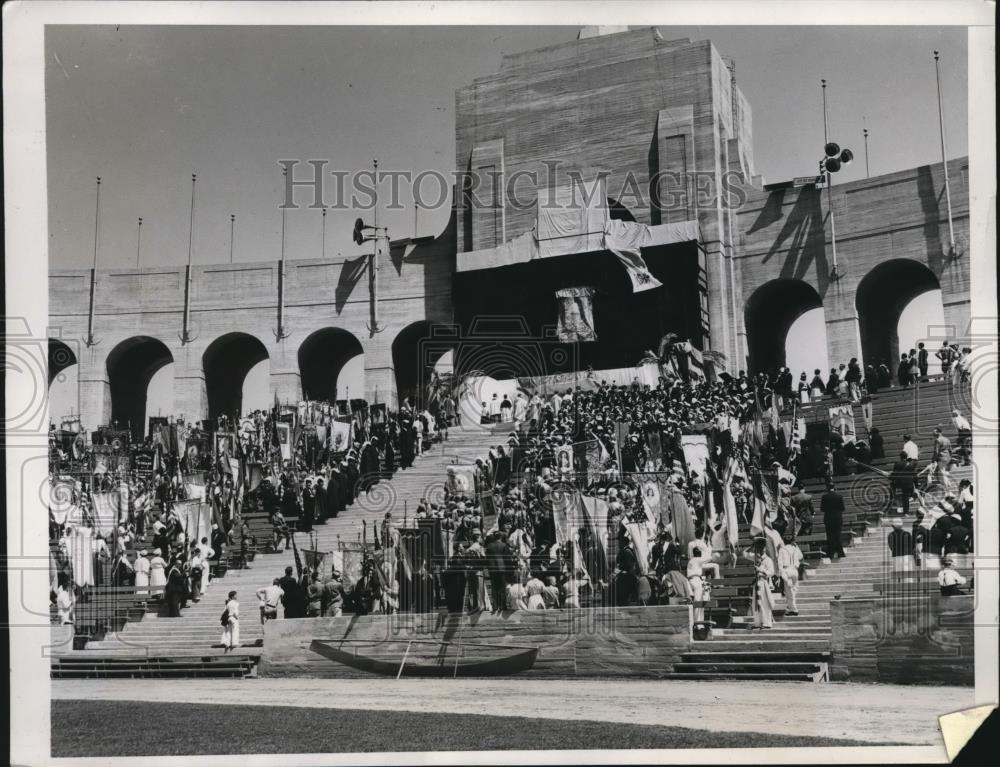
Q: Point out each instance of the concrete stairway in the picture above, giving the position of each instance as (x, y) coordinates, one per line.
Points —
(198, 631)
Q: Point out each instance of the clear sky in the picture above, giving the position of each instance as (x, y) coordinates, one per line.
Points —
(145, 107)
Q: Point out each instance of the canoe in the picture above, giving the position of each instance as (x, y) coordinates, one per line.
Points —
(447, 660)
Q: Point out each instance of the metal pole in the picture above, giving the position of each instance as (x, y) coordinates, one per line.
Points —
(232, 235)
(323, 250)
(93, 270)
(185, 330)
(373, 264)
(829, 189)
(867, 169)
(825, 126)
(944, 155)
(138, 242)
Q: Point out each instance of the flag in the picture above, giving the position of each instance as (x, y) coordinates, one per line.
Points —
(564, 508)
(298, 559)
(729, 502)
(404, 559)
(763, 504)
(798, 434)
(637, 533)
(635, 267)
(866, 411)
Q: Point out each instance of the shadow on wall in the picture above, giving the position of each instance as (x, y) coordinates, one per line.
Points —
(802, 234)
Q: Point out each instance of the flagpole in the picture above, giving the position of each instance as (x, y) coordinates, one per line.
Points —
(138, 242)
(944, 155)
(93, 271)
(232, 235)
(829, 191)
(323, 248)
(867, 169)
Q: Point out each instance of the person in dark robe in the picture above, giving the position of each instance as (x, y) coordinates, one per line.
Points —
(832, 507)
(353, 475)
(334, 501)
(454, 580)
(321, 502)
(626, 577)
(308, 507)
(876, 444)
(833, 383)
(389, 461)
(176, 588)
(407, 447)
(903, 371)
(294, 598)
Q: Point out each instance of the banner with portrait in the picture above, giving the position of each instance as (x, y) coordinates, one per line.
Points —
(461, 479)
(576, 315)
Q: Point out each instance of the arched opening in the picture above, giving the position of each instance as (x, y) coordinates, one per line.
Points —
(769, 315)
(805, 345)
(881, 297)
(323, 357)
(618, 212)
(226, 362)
(131, 366)
(63, 382)
(415, 353)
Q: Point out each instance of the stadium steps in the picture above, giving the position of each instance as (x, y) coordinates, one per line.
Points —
(88, 666)
(197, 632)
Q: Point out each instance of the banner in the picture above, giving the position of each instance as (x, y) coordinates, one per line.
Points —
(340, 436)
(547, 385)
(576, 315)
(564, 513)
(196, 519)
(637, 533)
(461, 480)
(842, 422)
(595, 514)
(564, 459)
(350, 572)
(695, 447)
(285, 440)
(105, 511)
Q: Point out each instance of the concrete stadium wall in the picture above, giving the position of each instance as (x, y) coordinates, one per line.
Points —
(414, 284)
(630, 104)
(917, 640)
(785, 235)
(612, 642)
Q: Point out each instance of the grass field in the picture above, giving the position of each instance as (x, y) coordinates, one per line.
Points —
(81, 728)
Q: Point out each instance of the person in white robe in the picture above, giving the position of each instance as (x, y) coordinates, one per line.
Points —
(141, 566)
(157, 573)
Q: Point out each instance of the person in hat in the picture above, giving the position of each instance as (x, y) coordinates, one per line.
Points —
(949, 579)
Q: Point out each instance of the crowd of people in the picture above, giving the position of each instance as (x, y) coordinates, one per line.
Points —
(593, 497)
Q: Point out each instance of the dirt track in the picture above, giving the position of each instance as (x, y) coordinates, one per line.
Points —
(874, 713)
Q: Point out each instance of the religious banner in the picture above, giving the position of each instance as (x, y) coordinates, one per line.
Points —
(564, 511)
(798, 434)
(695, 447)
(256, 474)
(488, 502)
(105, 512)
(576, 315)
(142, 461)
(461, 480)
(564, 459)
(595, 513)
(285, 440)
(196, 518)
(340, 436)
(842, 422)
(353, 564)
(866, 412)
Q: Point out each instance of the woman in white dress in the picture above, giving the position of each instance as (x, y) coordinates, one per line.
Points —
(157, 573)
(142, 569)
(517, 596)
(534, 588)
(231, 631)
(64, 604)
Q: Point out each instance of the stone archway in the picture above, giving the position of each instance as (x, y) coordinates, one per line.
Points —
(322, 357)
(881, 296)
(131, 366)
(770, 312)
(226, 362)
